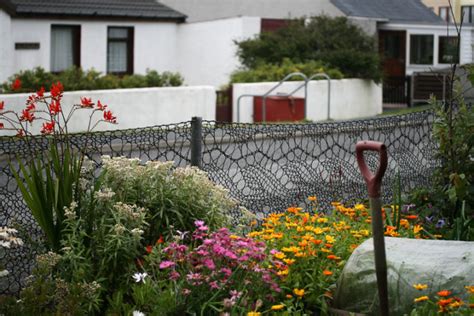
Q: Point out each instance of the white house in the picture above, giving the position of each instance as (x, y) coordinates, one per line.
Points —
(111, 36)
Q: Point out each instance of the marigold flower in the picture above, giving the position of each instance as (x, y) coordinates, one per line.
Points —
(298, 292)
(444, 293)
(333, 257)
(312, 198)
(293, 210)
(421, 299)
(444, 302)
(470, 288)
(411, 216)
(254, 314)
(417, 229)
(360, 207)
(283, 272)
(420, 286)
(327, 272)
(289, 261)
(280, 255)
(277, 307)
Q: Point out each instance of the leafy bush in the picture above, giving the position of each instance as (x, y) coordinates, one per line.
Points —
(276, 72)
(333, 41)
(174, 197)
(78, 79)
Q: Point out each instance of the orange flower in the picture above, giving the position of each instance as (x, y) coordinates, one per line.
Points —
(293, 210)
(444, 293)
(411, 216)
(333, 257)
(316, 241)
(444, 302)
(149, 249)
(312, 198)
(327, 272)
(298, 292)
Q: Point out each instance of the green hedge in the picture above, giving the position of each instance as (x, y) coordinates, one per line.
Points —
(276, 72)
(78, 79)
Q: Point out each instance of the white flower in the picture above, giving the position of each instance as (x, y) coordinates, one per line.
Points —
(3, 273)
(138, 313)
(140, 277)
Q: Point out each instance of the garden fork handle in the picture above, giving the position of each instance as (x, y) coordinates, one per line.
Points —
(374, 182)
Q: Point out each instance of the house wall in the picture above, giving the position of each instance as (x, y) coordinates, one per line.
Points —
(203, 10)
(154, 44)
(206, 51)
(134, 108)
(6, 46)
(350, 98)
(466, 54)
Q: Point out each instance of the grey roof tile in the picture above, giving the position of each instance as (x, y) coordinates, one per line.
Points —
(392, 10)
(136, 9)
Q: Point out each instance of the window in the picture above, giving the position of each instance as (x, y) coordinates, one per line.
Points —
(445, 13)
(421, 49)
(120, 50)
(65, 47)
(468, 14)
(448, 50)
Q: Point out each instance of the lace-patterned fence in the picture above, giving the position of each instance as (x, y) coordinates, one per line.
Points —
(266, 167)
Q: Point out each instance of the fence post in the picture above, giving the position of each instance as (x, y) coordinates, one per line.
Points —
(196, 142)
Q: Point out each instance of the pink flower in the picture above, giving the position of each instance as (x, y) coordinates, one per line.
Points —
(209, 264)
(214, 285)
(174, 275)
(166, 264)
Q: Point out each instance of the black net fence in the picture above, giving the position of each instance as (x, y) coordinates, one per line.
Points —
(266, 167)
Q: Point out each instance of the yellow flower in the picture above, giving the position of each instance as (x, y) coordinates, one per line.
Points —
(404, 223)
(421, 299)
(417, 229)
(234, 237)
(420, 286)
(254, 234)
(277, 307)
(312, 198)
(456, 304)
(254, 314)
(322, 220)
(283, 272)
(298, 292)
(280, 255)
(360, 207)
(470, 288)
(289, 261)
(318, 231)
(329, 239)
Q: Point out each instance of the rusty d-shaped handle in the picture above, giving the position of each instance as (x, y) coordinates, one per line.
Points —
(374, 182)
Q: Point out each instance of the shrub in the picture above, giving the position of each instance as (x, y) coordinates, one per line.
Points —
(333, 41)
(174, 197)
(78, 79)
(276, 72)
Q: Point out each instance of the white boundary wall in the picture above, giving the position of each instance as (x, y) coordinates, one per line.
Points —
(350, 98)
(134, 108)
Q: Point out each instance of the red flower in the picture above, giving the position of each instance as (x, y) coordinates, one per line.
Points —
(16, 85)
(55, 107)
(160, 240)
(20, 133)
(149, 249)
(108, 117)
(101, 106)
(57, 90)
(1, 125)
(40, 92)
(444, 293)
(48, 127)
(27, 116)
(86, 102)
(31, 107)
(2, 105)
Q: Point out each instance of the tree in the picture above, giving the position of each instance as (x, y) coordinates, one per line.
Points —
(334, 41)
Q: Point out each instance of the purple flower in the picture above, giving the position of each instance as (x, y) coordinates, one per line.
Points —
(440, 223)
(166, 264)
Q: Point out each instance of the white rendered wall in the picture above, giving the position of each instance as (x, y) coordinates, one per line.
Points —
(204, 10)
(350, 98)
(466, 51)
(134, 107)
(154, 44)
(6, 46)
(206, 50)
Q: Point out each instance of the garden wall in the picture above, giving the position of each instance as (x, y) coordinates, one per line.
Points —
(350, 98)
(136, 108)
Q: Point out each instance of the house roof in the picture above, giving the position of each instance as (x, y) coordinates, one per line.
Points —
(412, 11)
(123, 9)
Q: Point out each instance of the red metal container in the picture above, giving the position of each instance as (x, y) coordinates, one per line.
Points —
(278, 109)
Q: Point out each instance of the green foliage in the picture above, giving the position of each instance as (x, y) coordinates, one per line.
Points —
(276, 72)
(78, 79)
(333, 41)
(174, 197)
(454, 131)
